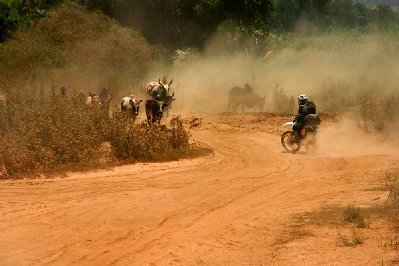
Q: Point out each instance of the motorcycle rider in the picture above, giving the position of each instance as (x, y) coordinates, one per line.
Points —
(305, 107)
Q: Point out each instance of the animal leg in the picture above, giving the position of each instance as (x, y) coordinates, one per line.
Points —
(235, 108)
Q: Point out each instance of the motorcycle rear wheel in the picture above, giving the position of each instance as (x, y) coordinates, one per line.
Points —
(288, 140)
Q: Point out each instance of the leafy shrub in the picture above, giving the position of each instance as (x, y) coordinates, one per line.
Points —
(14, 13)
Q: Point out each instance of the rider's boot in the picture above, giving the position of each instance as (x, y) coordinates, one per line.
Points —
(298, 136)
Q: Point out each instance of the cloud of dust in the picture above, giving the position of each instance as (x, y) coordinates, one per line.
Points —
(311, 65)
(347, 139)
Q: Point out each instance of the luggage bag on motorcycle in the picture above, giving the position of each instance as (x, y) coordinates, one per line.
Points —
(312, 120)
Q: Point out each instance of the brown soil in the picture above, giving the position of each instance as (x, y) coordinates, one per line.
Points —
(234, 207)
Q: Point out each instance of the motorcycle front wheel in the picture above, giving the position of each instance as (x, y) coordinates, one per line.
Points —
(289, 142)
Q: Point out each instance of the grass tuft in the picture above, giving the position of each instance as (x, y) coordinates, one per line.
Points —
(354, 240)
(354, 215)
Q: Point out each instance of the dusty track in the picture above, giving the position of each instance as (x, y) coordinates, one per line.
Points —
(229, 208)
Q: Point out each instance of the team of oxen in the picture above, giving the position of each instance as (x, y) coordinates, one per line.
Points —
(159, 100)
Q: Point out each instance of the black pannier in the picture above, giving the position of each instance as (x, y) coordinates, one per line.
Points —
(312, 120)
(311, 107)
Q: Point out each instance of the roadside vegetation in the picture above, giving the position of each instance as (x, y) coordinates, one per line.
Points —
(40, 135)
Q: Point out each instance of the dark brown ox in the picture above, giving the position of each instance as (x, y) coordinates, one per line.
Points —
(245, 98)
(154, 111)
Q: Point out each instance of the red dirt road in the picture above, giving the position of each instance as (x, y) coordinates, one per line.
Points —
(229, 208)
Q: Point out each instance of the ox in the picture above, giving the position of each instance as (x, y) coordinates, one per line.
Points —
(158, 90)
(154, 110)
(131, 107)
(246, 98)
(168, 101)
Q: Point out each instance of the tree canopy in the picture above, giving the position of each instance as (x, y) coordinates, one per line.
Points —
(190, 22)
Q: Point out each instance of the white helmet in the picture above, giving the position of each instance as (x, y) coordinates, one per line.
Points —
(302, 99)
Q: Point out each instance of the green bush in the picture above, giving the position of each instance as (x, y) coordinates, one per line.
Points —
(15, 13)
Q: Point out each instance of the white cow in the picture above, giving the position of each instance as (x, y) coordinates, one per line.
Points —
(130, 106)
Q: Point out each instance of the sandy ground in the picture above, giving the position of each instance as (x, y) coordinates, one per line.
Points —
(233, 207)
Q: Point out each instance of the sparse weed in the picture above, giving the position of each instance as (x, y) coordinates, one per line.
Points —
(391, 179)
(326, 216)
(392, 204)
(354, 240)
(343, 241)
(354, 215)
(293, 233)
(357, 239)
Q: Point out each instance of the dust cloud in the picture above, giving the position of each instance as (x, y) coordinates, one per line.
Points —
(323, 67)
(346, 139)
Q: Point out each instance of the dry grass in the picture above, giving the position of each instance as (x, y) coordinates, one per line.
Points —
(355, 239)
(346, 218)
(392, 207)
(326, 216)
(354, 215)
(292, 233)
(39, 135)
(141, 142)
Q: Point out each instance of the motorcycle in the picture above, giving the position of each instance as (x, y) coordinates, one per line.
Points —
(292, 143)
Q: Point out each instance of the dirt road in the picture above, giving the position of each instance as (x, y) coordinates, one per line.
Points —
(234, 207)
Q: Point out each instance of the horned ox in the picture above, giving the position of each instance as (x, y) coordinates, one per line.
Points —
(246, 98)
(168, 101)
(158, 90)
(154, 110)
